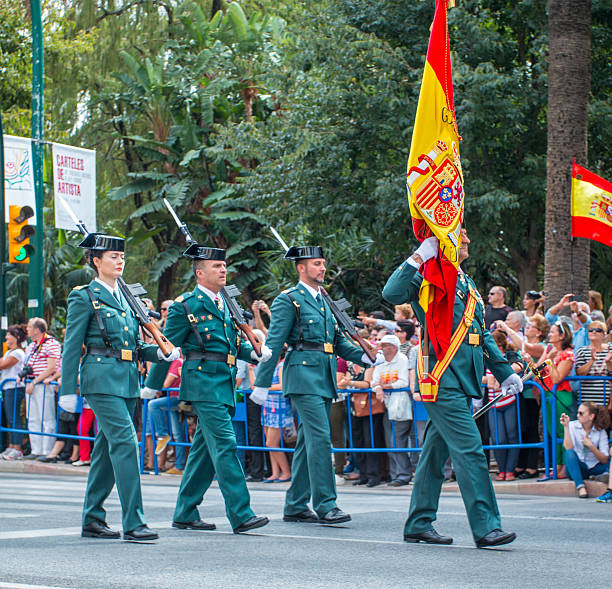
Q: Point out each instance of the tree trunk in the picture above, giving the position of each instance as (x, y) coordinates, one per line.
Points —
(166, 290)
(216, 6)
(567, 260)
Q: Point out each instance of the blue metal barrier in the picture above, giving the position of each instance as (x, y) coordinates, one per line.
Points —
(551, 396)
(419, 416)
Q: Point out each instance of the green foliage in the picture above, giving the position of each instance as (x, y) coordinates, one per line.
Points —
(298, 115)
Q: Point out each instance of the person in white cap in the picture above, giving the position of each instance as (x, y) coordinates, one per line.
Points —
(397, 420)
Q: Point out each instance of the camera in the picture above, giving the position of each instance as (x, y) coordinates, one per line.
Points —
(26, 371)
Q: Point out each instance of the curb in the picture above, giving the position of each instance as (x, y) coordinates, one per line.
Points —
(558, 488)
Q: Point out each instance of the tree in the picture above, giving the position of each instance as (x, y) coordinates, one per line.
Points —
(569, 84)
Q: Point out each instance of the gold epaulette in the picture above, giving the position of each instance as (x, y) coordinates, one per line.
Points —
(179, 299)
(79, 287)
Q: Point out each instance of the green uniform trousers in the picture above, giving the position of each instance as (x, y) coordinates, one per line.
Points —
(114, 460)
(213, 451)
(452, 430)
(312, 473)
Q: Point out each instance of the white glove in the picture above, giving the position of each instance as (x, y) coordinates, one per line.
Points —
(259, 395)
(266, 354)
(147, 393)
(380, 359)
(175, 354)
(428, 249)
(513, 385)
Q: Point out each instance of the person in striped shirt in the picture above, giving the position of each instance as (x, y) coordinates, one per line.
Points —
(595, 360)
(43, 357)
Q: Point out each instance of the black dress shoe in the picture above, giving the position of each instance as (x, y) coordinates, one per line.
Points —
(335, 516)
(398, 483)
(496, 538)
(527, 475)
(429, 537)
(97, 529)
(141, 534)
(372, 483)
(306, 517)
(251, 524)
(252, 479)
(50, 459)
(360, 482)
(197, 524)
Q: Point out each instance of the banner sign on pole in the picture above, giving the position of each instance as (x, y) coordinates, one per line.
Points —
(18, 175)
(74, 178)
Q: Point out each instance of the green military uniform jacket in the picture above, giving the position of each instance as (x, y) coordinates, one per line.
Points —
(466, 370)
(203, 380)
(101, 375)
(305, 372)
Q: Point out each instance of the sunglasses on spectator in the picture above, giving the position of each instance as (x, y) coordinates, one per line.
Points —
(596, 330)
(581, 413)
(164, 308)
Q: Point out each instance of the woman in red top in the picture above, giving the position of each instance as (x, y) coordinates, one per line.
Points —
(561, 353)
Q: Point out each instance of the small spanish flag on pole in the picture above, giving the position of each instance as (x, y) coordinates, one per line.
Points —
(435, 188)
(591, 206)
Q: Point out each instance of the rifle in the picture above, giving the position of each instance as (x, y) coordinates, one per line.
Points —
(338, 309)
(132, 294)
(530, 371)
(229, 292)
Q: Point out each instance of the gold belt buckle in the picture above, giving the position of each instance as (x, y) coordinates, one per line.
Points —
(328, 348)
(467, 321)
(231, 359)
(126, 355)
(473, 339)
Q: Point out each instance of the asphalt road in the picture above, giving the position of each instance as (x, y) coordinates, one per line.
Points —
(562, 542)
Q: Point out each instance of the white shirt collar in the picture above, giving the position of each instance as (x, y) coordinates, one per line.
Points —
(313, 291)
(211, 295)
(108, 287)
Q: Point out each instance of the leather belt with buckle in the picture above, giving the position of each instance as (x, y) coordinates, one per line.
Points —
(313, 347)
(228, 359)
(124, 354)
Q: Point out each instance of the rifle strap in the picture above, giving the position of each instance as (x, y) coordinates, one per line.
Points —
(96, 307)
(429, 386)
(192, 323)
(298, 311)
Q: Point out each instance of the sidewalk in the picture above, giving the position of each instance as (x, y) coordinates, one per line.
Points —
(559, 488)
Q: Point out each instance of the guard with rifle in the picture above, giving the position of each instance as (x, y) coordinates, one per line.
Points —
(103, 347)
(453, 381)
(206, 322)
(303, 318)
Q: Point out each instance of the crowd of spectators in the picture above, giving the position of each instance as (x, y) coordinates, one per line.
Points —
(376, 407)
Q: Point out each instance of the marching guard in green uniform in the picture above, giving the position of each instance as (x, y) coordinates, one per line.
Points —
(302, 319)
(199, 321)
(100, 320)
(451, 428)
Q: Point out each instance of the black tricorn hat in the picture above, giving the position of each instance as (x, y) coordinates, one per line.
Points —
(304, 252)
(202, 252)
(107, 243)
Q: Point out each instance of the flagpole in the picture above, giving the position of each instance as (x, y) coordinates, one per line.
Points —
(425, 351)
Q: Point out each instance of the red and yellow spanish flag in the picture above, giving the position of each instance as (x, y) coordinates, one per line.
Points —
(591, 206)
(435, 183)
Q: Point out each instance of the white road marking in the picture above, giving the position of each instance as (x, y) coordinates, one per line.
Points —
(9, 585)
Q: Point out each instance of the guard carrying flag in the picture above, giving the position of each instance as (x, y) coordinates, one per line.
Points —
(101, 320)
(200, 322)
(450, 309)
(302, 318)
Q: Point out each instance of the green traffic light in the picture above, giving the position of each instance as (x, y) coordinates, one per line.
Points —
(22, 255)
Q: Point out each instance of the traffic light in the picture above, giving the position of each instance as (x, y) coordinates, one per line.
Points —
(19, 234)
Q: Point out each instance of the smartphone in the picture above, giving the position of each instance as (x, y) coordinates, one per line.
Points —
(572, 298)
